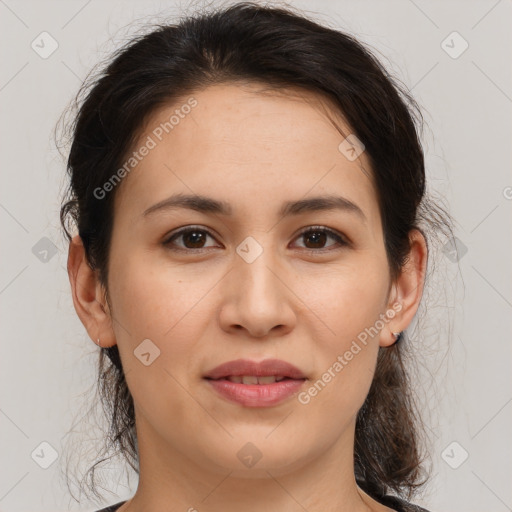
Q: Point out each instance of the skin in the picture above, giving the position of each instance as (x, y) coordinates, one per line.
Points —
(203, 308)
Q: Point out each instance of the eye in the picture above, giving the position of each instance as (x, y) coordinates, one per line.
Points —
(317, 236)
(192, 237)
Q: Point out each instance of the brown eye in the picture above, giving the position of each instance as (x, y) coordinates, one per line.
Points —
(315, 238)
(191, 238)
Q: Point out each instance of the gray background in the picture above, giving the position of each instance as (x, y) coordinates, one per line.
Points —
(48, 361)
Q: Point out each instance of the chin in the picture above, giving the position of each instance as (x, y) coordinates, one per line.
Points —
(257, 460)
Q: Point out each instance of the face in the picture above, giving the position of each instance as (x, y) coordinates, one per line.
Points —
(246, 279)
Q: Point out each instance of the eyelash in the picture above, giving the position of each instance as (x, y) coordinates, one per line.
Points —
(341, 240)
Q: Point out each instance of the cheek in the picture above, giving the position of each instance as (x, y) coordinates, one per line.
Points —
(160, 303)
(347, 358)
(349, 299)
(150, 296)
(157, 303)
(351, 305)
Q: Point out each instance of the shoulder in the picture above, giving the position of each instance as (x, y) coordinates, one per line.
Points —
(111, 508)
(400, 505)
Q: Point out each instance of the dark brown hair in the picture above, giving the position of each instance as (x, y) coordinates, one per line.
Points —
(279, 48)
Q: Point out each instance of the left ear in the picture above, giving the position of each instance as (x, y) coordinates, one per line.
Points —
(407, 290)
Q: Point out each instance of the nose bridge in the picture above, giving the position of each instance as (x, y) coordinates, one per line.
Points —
(253, 263)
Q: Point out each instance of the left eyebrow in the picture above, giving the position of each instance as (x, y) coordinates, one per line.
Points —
(321, 203)
(205, 204)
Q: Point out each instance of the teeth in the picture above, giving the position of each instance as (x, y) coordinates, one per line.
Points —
(267, 380)
(252, 379)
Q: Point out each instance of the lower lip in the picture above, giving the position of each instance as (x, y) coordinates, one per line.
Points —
(257, 395)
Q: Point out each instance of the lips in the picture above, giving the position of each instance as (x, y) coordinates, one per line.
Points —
(251, 372)
(256, 384)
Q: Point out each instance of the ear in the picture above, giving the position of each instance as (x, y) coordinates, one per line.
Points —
(89, 295)
(407, 290)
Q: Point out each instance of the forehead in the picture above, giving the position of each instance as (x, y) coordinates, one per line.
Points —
(244, 144)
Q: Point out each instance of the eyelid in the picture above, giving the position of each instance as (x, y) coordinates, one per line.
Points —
(340, 238)
(185, 229)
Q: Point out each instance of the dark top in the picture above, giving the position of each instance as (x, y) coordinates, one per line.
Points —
(397, 504)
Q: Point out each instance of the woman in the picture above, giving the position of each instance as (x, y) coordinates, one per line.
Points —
(248, 188)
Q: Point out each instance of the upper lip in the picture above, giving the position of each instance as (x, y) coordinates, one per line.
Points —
(259, 369)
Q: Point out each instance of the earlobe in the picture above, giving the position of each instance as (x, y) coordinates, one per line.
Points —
(408, 288)
(87, 295)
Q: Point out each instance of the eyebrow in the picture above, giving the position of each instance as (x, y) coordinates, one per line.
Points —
(205, 204)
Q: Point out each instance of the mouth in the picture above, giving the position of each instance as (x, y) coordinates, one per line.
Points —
(256, 384)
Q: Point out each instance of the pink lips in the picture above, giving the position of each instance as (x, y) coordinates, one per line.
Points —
(256, 394)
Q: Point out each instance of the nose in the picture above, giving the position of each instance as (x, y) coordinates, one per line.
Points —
(258, 299)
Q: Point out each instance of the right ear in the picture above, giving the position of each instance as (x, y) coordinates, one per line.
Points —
(89, 295)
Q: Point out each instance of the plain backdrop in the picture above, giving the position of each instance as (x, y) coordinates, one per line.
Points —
(455, 58)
